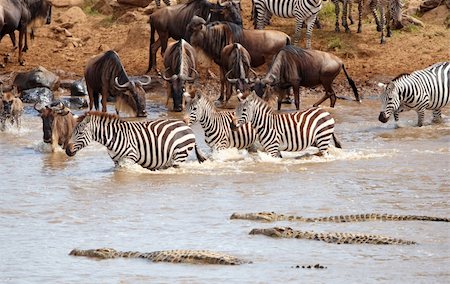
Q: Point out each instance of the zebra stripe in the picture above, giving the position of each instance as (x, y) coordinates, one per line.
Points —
(287, 131)
(301, 10)
(158, 3)
(217, 125)
(154, 144)
(423, 89)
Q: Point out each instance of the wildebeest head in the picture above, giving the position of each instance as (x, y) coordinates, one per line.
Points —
(177, 88)
(132, 98)
(7, 104)
(264, 87)
(390, 102)
(48, 114)
(229, 10)
(40, 10)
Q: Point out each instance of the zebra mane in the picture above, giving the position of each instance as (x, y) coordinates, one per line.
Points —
(98, 114)
(400, 76)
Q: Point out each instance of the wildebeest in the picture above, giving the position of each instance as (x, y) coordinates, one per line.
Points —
(106, 75)
(295, 67)
(180, 64)
(19, 15)
(11, 108)
(235, 64)
(213, 37)
(171, 21)
(57, 124)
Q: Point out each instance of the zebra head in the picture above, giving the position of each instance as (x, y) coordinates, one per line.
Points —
(197, 104)
(390, 102)
(245, 109)
(82, 135)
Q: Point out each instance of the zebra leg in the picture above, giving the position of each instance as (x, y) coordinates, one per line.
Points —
(336, 10)
(349, 5)
(360, 10)
(396, 114)
(323, 143)
(344, 15)
(437, 117)
(383, 40)
(388, 23)
(309, 27)
(180, 156)
(421, 116)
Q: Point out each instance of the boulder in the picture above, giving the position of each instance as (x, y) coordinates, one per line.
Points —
(67, 3)
(39, 95)
(78, 88)
(73, 15)
(137, 3)
(103, 7)
(74, 102)
(38, 77)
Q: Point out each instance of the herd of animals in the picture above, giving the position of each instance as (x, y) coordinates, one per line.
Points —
(216, 29)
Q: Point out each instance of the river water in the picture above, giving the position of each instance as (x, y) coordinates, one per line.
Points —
(51, 203)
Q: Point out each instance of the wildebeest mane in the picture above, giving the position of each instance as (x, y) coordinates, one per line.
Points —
(36, 9)
(238, 57)
(220, 34)
(286, 62)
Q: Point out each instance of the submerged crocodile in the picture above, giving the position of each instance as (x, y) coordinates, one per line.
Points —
(175, 256)
(337, 238)
(272, 217)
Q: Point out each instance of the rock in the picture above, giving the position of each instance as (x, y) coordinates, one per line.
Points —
(78, 88)
(38, 77)
(73, 15)
(66, 83)
(137, 3)
(128, 18)
(40, 95)
(67, 3)
(74, 102)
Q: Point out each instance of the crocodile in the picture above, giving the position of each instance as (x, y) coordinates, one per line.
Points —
(174, 256)
(272, 217)
(337, 238)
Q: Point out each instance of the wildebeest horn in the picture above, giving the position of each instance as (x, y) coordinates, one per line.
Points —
(232, 81)
(126, 85)
(222, 3)
(145, 83)
(236, 1)
(254, 72)
(173, 77)
(192, 79)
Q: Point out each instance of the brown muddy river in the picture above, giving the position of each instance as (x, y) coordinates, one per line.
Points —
(51, 203)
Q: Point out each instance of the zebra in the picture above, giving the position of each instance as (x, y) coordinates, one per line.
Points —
(346, 10)
(301, 10)
(157, 144)
(158, 3)
(422, 89)
(286, 131)
(219, 134)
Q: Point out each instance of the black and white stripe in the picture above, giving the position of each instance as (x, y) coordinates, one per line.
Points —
(301, 10)
(286, 131)
(421, 90)
(167, 2)
(154, 144)
(217, 125)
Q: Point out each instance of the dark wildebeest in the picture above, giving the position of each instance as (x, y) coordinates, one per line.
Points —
(57, 124)
(235, 64)
(262, 45)
(106, 76)
(19, 15)
(180, 64)
(11, 108)
(171, 21)
(295, 67)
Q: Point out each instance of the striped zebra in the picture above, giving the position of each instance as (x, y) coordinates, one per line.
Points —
(390, 11)
(158, 3)
(423, 89)
(301, 10)
(157, 144)
(286, 131)
(217, 124)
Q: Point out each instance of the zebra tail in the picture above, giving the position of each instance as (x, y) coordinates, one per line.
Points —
(352, 84)
(200, 157)
(96, 101)
(336, 142)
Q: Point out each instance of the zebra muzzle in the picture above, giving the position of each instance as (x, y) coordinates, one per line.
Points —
(382, 117)
(69, 150)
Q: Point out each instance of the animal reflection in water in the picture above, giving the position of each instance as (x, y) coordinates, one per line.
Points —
(156, 144)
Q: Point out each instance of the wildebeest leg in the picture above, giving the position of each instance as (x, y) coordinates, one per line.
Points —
(223, 84)
(296, 96)
(326, 96)
(22, 33)
(153, 50)
(91, 97)
(105, 93)
(164, 38)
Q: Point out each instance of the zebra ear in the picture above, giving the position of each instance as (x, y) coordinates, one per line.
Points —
(381, 85)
